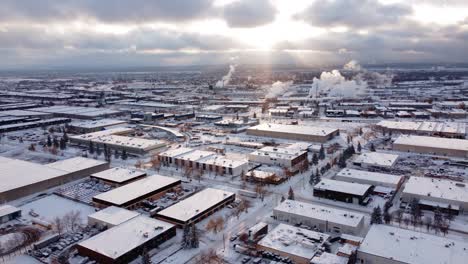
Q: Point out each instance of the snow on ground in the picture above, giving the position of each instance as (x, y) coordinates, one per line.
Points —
(22, 259)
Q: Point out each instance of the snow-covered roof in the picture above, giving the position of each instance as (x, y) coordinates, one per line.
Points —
(324, 213)
(75, 164)
(125, 237)
(425, 126)
(133, 142)
(353, 174)
(136, 189)
(18, 173)
(277, 152)
(295, 129)
(97, 123)
(196, 204)
(7, 210)
(111, 131)
(118, 174)
(408, 246)
(218, 160)
(328, 258)
(175, 152)
(294, 240)
(114, 215)
(443, 189)
(343, 187)
(377, 159)
(433, 142)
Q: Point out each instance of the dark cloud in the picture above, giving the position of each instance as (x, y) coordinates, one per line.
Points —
(353, 13)
(249, 13)
(105, 10)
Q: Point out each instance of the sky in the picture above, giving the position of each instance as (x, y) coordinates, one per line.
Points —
(124, 33)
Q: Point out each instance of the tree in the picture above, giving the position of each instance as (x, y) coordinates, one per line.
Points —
(290, 194)
(124, 154)
(282, 198)
(428, 222)
(449, 215)
(116, 154)
(387, 217)
(360, 131)
(56, 143)
(49, 141)
(63, 144)
(194, 243)
(65, 136)
(32, 147)
(58, 225)
(372, 147)
(342, 162)
(186, 237)
(415, 211)
(315, 159)
(376, 217)
(312, 179)
(98, 151)
(91, 147)
(438, 219)
(145, 257)
(359, 147)
(321, 152)
(398, 216)
(317, 176)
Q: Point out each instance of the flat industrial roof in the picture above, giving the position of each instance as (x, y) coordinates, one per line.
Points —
(294, 240)
(408, 246)
(443, 189)
(277, 152)
(370, 176)
(97, 123)
(195, 204)
(433, 142)
(8, 209)
(118, 174)
(133, 142)
(343, 187)
(295, 129)
(377, 159)
(114, 215)
(75, 164)
(136, 189)
(18, 173)
(123, 238)
(328, 258)
(324, 213)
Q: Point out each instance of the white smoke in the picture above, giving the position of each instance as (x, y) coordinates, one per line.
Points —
(278, 88)
(336, 85)
(352, 66)
(374, 78)
(226, 78)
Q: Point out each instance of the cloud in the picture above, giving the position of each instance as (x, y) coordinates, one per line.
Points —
(249, 13)
(353, 13)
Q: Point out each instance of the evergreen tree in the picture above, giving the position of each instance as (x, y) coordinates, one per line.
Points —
(315, 159)
(116, 154)
(359, 147)
(98, 151)
(376, 217)
(342, 162)
(352, 151)
(63, 144)
(322, 152)
(56, 143)
(290, 194)
(124, 154)
(145, 257)
(312, 179)
(387, 217)
(186, 237)
(49, 141)
(65, 136)
(372, 147)
(317, 178)
(415, 210)
(438, 219)
(91, 147)
(195, 243)
(282, 198)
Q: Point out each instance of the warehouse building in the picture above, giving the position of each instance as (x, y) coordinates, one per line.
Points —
(376, 160)
(130, 195)
(325, 219)
(125, 242)
(90, 126)
(76, 111)
(298, 244)
(22, 178)
(118, 176)
(355, 193)
(293, 132)
(432, 145)
(196, 207)
(283, 157)
(110, 217)
(434, 192)
(385, 244)
(371, 178)
(8, 213)
(444, 129)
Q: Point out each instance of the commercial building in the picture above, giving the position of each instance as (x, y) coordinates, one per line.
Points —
(283, 157)
(293, 132)
(432, 145)
(371, 178)
(196, 207)
(434, 192)
(22, 178)
(8, 213)
(298, 244)
(130, 195)
(263, 177)
(33, 124)
(110, 217)
(376, 160)
(328, 258)
(204, 161)
(76, 111)
(445, 129)
(385, 244)
(343, 191)
(323, 218)
(125, 242)
(90, 126)
(118, 176)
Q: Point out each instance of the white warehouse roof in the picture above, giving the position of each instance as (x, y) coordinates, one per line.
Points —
(443, 189)
(433, 142)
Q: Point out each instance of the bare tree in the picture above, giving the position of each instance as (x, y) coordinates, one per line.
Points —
(58, 225)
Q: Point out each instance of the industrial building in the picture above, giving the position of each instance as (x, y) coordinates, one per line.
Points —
(8, 213)
(322, 218)
(110, 217)
(22, 178)
(433, 193)
(385, 244)
(355, 193)
(125, 242)
(376, 160)
(432, 145)
(33, 124)
(90, 126)
(118, 176)
(130, 195)
(371, 178)
(293, 132)
(196, 207)
(283, 157)
(444, 129)
(298, 244)
(76, 111)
